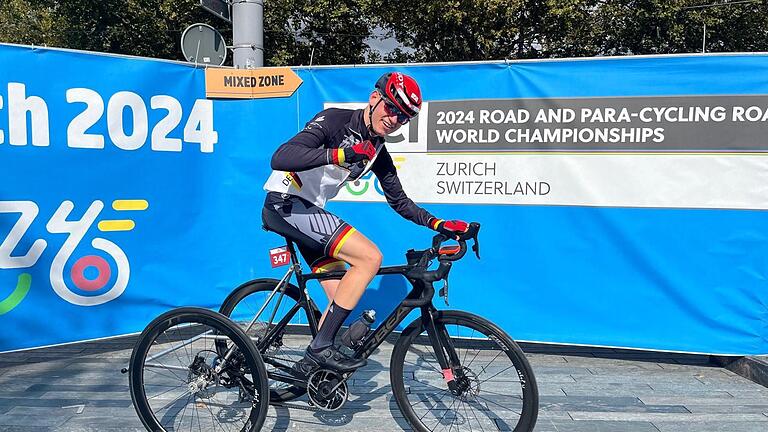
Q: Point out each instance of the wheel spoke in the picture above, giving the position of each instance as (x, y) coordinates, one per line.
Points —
(444, 393)
(497, 373)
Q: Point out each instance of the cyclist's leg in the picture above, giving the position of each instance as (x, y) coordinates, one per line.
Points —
(330, 287)
(321, 265)
(321, 232)
(349, 289)
(364, 259)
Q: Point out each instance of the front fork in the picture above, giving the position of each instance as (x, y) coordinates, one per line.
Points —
(443, 347)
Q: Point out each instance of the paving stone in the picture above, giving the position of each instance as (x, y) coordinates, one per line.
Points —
(672, 417)
(27, 419)
(57, 403)
(749, 391)
(86, 395)
(593, 426)
(557, 370)
(25, 428)
(726, 426)
(625, 378)
(75, 387)
(83, 422)
(15, 356)
(682, 387)
(651, 369)
(545, 360)
(605, 404)
(605, 389)
(728, 409)
(81, 428)
(554, 378)
(702, 399)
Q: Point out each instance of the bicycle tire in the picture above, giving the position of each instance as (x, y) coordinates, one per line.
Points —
(494, 337)
(254, 412)
(259, 289)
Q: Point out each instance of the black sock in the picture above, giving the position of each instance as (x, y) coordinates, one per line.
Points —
(331, 325)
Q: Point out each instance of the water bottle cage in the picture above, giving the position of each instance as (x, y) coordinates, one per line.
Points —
(353, 345)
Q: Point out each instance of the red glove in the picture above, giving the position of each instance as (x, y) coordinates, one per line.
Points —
(364, 150)
(450, 228)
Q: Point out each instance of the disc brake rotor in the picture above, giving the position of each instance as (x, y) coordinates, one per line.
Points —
(469, 384)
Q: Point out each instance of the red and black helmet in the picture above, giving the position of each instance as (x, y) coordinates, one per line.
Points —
(401, 91)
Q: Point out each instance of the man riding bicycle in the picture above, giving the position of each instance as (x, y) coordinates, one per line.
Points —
(337, 146)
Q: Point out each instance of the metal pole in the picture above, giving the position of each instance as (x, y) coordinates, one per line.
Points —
(704, 40)
(248, 33)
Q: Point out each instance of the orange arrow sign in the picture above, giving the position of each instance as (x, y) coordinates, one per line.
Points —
(250, 83)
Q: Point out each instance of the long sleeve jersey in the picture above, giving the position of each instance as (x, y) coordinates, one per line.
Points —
(305, 165)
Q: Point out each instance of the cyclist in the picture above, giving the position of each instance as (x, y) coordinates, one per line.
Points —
(336, 146)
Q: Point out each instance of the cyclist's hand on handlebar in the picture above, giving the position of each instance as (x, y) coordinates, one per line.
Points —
(451, 228)
(364, 150)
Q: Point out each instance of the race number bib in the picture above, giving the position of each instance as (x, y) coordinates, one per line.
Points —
(279, 256)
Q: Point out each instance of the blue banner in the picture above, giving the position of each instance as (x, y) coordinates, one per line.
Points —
(622, 201)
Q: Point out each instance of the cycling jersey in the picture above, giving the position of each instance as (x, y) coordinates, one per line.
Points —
(304, 166)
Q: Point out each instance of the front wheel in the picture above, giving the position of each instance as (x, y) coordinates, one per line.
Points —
(178, 380)
(493, 383)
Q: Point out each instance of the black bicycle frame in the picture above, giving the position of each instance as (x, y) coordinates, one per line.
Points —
(420, 296)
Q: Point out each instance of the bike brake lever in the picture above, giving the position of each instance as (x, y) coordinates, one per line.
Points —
(476, 246)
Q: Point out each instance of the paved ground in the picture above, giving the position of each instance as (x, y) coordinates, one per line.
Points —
(79, 388)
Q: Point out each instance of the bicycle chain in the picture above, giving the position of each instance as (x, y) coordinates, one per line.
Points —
(300, 407)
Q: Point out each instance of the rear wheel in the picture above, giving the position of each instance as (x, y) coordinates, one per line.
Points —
(178, 380)
(494, 384)
(289, 343)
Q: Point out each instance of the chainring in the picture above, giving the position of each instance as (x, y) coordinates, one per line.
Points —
(327, 390)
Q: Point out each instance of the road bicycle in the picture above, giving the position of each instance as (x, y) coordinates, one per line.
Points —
(448, 368)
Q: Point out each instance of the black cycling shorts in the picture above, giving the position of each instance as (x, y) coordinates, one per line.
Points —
(319, 234)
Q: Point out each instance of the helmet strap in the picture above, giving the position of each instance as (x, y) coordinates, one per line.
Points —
(370, 117)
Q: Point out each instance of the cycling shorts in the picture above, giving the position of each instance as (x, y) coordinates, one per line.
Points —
(319, 234)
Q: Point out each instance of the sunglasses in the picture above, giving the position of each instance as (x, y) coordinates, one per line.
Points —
(391, 110)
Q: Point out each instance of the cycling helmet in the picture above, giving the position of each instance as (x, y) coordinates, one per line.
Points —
(401, 91)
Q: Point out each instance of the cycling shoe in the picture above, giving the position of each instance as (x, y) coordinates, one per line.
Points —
(327, 358)
(333, 359)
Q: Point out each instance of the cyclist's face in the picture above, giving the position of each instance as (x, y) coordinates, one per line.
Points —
(386, 119)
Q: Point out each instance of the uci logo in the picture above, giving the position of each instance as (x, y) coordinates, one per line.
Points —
(88, 291)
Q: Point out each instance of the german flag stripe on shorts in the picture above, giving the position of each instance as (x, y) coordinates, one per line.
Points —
(338, 242)
(327, 264)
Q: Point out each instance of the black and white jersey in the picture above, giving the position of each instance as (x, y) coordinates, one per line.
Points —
(304, 166)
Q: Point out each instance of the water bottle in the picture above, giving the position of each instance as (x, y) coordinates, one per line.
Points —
(359, 329)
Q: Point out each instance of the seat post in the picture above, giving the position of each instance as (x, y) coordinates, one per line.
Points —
(292, 250)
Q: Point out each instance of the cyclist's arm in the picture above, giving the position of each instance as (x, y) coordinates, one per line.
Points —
(393, 191)
(306, 149)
